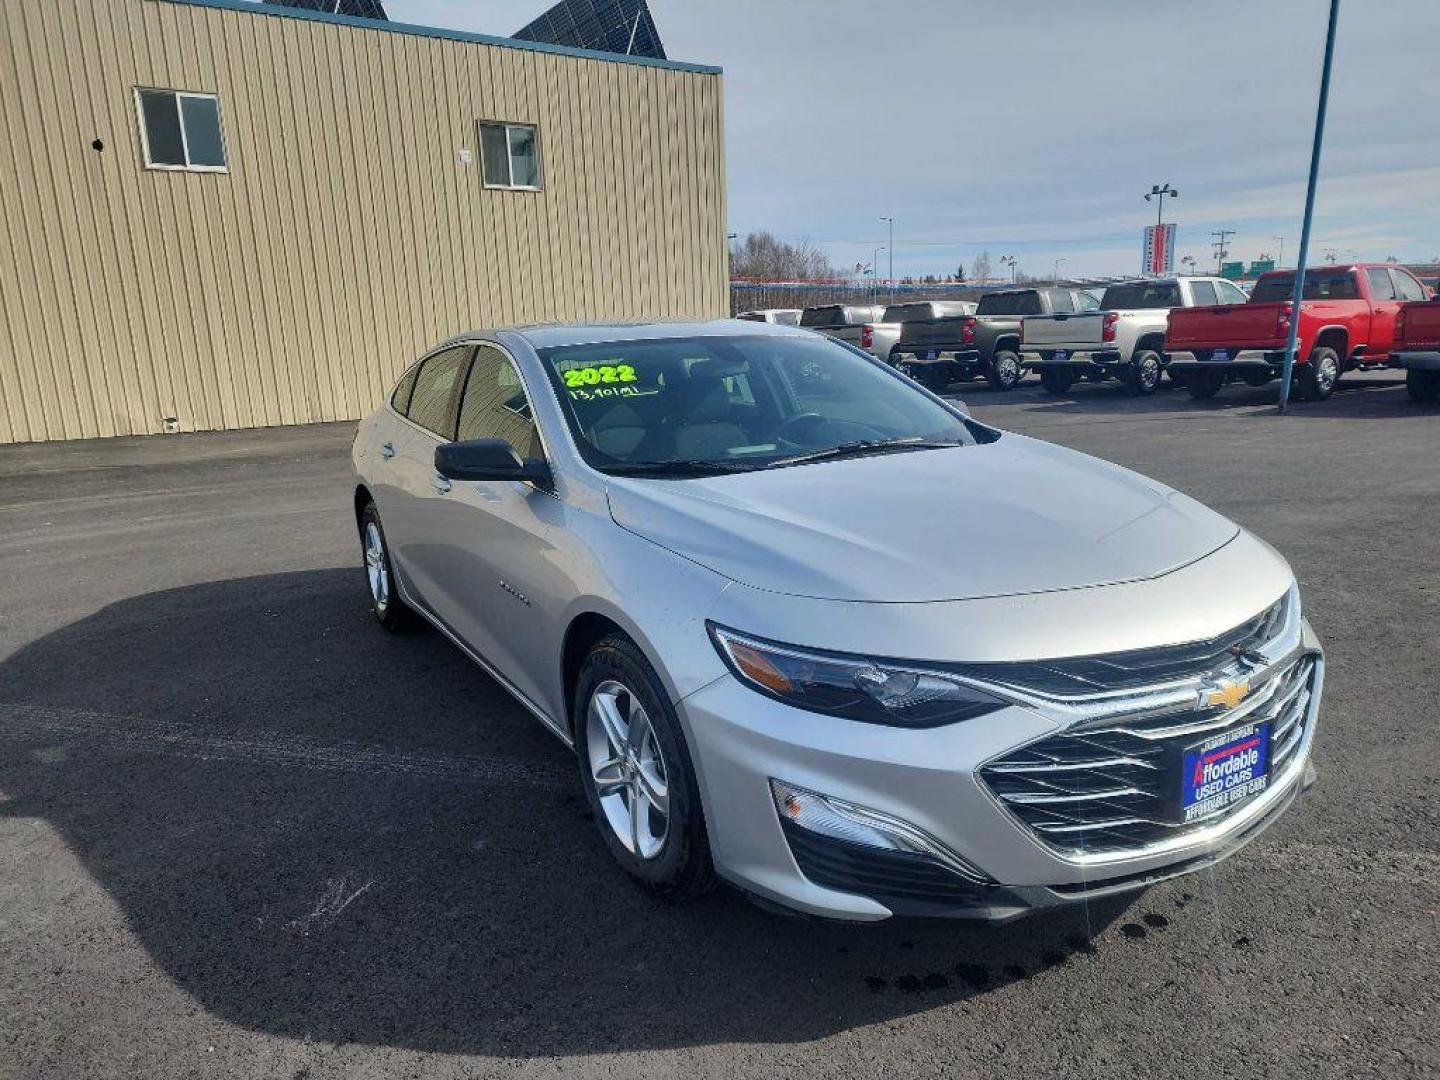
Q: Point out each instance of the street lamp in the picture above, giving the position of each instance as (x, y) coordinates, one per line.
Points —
(1056, 279)
(1189, 260)
(1280, 257)
(1159, 191)
(891, 220)
(1009, 260)
(874, 263)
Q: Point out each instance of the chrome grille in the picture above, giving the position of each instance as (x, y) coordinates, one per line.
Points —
(1112, 784)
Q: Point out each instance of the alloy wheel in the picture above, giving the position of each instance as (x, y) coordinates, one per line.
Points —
(376, 569)
(629, 770)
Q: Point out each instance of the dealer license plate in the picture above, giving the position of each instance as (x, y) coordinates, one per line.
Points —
(928, 354)
(1220, 354)
(1223, 770)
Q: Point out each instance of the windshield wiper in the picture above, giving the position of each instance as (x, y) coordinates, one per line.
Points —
(860, 447)
(680, 467)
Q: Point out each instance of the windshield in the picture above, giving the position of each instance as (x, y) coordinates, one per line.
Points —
(1319, 285)
(1140, 295)
(1010, 303)
(678, 405)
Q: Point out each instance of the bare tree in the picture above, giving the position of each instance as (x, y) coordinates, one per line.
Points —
(761, 257)
(980, 269)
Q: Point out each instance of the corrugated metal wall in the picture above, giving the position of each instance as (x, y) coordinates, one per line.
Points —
(347, 235)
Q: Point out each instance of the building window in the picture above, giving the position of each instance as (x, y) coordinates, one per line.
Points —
(510, 155)
(180, 130)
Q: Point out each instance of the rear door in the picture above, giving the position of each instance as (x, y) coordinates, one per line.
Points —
(1384, 306)
(412, 484)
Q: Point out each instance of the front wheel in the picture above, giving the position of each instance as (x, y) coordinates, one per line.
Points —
(1005, 370)
(1056, 381)
(1422, 386)
(637, 772)
(1142, 377)
(1318, 377)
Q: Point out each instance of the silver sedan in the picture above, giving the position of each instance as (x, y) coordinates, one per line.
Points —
(813, 630)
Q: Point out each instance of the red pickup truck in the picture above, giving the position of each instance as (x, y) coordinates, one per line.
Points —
(1346, 321)
(1417, 349)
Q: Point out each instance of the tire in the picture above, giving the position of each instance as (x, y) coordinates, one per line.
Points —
(1004, 371)
(675, 864)
(385, 603)
(1422, 386)
(1318, 376)
(1056, 381)
(1142, 377)
(1204, 384)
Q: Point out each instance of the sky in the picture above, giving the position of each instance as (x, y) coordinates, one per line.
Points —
(1033, 128)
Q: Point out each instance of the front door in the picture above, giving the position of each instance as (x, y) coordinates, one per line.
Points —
(496, 541)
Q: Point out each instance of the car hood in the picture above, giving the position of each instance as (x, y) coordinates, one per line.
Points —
(1007, 517)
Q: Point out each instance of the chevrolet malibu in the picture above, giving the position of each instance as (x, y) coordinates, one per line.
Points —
(813, 630)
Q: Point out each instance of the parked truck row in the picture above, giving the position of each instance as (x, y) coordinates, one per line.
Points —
(1201, 331)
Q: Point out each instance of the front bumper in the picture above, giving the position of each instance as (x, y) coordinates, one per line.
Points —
(930, 779)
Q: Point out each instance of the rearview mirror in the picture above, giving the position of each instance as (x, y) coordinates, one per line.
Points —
(489, 459)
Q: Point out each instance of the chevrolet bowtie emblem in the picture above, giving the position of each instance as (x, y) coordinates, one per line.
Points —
(1226, 696)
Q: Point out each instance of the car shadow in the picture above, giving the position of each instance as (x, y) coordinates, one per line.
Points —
(322, 831)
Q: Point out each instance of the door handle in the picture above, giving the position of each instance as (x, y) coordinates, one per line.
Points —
(387, 450)
(440, 484)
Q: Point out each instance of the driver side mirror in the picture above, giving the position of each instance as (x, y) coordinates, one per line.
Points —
(490, 459)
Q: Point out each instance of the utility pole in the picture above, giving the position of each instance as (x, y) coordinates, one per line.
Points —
(891, 220)
(1220, 249)
(1056, 279)
(874, 269)
(1299, 290)
(1280, 258)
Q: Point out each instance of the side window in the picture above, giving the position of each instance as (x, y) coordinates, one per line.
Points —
(1203, 293)
(495, 405)
(1230, 293)
(510, 155)
(1407, 286)
(180, 130)
(400, 399)
(1381, 287)
(1060, 303)
(435, 390)
(1086, 302)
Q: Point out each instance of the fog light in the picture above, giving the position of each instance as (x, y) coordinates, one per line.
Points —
(841, 820)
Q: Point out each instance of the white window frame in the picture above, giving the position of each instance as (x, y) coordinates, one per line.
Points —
(509, 127)
(184, 139)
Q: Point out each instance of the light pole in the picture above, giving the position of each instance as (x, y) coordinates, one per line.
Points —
(1056, 279)
(1279, 258)
(874, 265)
(891, 220)
(1299, 289)
(1009, 260)
(1189, 260)
(1159, 191)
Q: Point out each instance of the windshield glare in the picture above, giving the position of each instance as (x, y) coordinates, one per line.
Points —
(735, 402)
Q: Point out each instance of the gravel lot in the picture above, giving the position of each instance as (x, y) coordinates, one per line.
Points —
(244, 833)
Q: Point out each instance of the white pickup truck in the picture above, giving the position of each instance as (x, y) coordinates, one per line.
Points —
(1124, 340)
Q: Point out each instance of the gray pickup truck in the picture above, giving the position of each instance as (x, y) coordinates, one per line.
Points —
(937, 352)
(1124, 340)
(852, 323)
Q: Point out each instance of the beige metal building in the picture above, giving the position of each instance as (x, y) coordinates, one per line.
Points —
(218, 215)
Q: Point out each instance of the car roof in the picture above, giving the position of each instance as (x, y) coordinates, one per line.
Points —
(552, 335)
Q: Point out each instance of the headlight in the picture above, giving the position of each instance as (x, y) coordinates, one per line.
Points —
(855, 687)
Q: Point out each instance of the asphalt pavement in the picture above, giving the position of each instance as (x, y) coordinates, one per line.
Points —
(245, 833)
